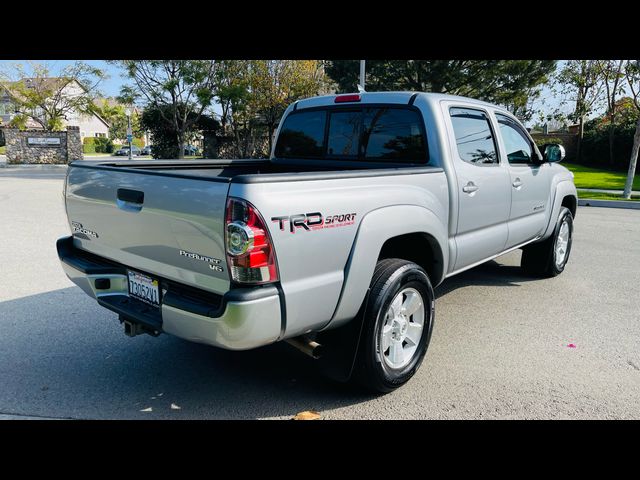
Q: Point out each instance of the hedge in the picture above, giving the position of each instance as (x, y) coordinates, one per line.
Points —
(595, 147)
(88, 145)
(542, 141)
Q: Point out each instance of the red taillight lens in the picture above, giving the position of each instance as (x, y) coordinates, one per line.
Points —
(250, 254)
(347, 98)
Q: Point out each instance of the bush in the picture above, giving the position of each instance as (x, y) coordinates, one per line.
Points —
(542, 141)
(138, 142)
(3, 150)
(103, 145)
(595, 146)
(88, 145)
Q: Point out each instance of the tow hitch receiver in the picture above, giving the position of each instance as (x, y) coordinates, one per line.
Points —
(131, 328)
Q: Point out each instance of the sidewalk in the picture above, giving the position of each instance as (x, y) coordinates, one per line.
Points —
(611, 192)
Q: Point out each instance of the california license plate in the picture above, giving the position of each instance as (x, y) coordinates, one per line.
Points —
(144, 288)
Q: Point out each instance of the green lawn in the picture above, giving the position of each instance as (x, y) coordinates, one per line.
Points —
(583, 194)
(588, 177)
(3, 150)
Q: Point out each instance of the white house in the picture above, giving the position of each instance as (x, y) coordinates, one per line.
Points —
(90, 125)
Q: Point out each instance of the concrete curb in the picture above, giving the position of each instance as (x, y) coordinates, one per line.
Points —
(32, 166)
(609, 204)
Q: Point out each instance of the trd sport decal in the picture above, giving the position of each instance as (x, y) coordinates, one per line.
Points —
(314, 221)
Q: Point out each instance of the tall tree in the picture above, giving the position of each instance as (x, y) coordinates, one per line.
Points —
(632, 74)
(49, 99)
(253, 95)
(179, 90)
(277, 83)
(583, 80)
(507, 82)
(114, 114)
(612, 75)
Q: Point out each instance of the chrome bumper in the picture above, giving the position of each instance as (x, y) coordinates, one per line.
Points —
(245, 319)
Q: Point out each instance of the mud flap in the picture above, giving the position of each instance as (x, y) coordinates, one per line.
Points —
(340, 346)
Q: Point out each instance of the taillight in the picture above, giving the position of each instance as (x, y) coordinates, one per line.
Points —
(250, 254)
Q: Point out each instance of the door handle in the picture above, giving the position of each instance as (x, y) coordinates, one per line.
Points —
(517, 183)
(470, 187)
(129, 200)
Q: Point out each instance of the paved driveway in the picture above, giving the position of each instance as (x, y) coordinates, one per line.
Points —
(499, 348)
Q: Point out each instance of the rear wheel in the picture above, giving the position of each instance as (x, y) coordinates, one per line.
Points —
(397, 325)
(548, 258)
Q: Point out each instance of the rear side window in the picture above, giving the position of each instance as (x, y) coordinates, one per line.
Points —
(474, 137)
(386, 134)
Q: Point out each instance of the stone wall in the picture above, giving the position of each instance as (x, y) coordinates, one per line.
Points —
(39, 146)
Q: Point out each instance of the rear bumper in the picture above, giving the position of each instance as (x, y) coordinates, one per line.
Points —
(242, 319)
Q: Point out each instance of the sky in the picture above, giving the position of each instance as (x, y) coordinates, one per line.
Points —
(110, 87)
(547, 102)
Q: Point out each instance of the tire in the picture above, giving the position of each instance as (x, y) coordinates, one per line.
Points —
(377, 367)
(546, 259)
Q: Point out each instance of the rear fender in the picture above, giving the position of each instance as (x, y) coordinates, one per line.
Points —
(375, 229)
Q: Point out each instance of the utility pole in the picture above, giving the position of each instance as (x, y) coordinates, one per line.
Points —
(362, 64)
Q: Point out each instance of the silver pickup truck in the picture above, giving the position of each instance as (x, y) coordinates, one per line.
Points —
(335, 242)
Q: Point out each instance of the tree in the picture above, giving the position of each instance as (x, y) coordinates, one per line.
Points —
(253, 95)
(48, 100)
(114, 114)
(277, 83)
(178, 90)
(612, 77)
(582, 79)
(507, 82)
(632, 74)
(163, 134)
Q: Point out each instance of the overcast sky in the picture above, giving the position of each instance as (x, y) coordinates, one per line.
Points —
(547, 102)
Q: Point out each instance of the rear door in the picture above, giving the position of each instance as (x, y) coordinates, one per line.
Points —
(165, 225)
(484, 195)
(530, 182)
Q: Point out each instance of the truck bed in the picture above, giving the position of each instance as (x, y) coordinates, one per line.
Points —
(255, 171)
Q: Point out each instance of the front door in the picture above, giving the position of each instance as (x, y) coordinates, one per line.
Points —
(484, 187)
(529, 183)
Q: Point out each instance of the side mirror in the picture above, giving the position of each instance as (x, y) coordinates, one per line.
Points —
(552, 152)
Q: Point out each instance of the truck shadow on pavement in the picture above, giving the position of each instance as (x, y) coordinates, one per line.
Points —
(492, 273)
(63, 356)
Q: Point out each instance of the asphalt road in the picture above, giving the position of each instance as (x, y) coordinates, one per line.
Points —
(499, 348)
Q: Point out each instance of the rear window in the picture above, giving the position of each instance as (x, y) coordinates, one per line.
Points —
(388, 134)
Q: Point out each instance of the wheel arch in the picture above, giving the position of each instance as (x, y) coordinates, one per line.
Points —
(409, 232)
(566, 195)
(419, 247)
(571, 202)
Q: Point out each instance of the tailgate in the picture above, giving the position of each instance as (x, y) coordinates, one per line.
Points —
(166, 225)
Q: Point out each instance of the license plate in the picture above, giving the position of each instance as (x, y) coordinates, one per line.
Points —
(144, 288)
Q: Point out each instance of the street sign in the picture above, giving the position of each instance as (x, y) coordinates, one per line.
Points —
(129, 138)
